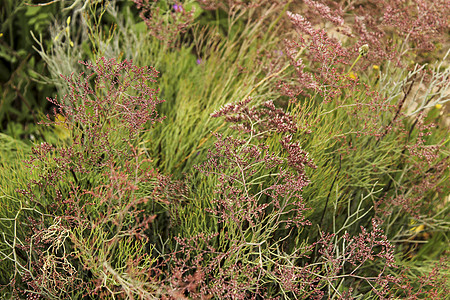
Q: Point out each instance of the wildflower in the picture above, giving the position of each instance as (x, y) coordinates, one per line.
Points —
(352, 75)
(325, 12)
(178, 7)
(61, 127)
(165, 26)
(418, 229)
(376, 67)
(363, 50)
(199, 61)
(438, 106)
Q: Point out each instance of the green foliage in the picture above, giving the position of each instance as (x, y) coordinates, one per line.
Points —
(22, 96)
(143, 226)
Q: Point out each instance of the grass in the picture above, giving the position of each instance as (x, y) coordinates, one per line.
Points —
(179, 211)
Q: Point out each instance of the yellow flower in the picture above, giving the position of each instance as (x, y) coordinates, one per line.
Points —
(375, 67)
(61, 128)
(352, 75)
(1, 34)
(418, 229)
(438, 106)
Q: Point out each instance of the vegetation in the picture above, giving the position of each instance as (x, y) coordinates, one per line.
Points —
(223, 149)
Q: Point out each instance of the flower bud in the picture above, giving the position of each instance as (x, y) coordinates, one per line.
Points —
(363, 50)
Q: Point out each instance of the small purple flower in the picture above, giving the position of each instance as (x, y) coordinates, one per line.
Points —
(178, 7)
(199, 61)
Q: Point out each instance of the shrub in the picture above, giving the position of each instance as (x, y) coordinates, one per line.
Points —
(318, 181)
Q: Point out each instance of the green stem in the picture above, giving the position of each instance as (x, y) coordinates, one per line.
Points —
(354, 63)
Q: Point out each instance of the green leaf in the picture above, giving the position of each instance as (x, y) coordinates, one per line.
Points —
(32, 10)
